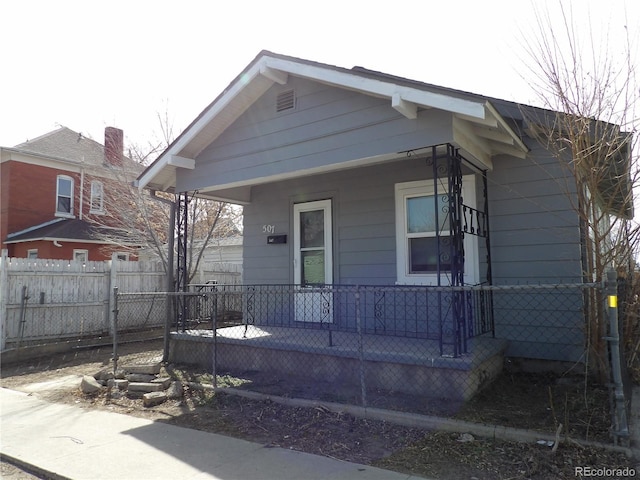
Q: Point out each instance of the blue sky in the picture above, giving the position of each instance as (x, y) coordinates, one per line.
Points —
(87, 65)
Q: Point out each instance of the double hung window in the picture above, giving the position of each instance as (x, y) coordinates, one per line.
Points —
(97, 197)
(423, 234)
(64, 196)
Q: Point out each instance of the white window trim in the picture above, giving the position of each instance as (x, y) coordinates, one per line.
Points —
(100, 210)
(123, 254)
(425, 187)
(79, 251)
(59, 213)
(32, 251)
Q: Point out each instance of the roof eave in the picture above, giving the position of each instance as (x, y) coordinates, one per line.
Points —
(272, 68)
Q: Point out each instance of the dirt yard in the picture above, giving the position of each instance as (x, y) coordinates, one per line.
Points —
(514, 400)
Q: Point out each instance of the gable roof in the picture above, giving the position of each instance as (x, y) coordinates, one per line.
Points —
(481, 127)
(70, 147)
(65, 144)
(63, 229)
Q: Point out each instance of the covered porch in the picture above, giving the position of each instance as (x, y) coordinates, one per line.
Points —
(389, 338)
(398, 365)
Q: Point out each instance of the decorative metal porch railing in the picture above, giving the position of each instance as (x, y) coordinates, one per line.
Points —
(396, 311)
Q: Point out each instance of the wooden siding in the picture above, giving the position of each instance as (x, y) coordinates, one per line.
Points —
(364, 223)
(535, 234)
(328, 126)
(534, 237)
(534, 230)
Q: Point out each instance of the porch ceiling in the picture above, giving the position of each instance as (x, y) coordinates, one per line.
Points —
(478, 129)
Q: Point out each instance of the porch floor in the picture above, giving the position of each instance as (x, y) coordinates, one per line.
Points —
(404, 350)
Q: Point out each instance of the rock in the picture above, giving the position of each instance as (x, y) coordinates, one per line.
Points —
(104, 375)
(175, 390)
(139, 377)
(89, 385)
(149, 369)
(466, 437)
(164, 381)
(121, 384)
(116, 394)
(144, 387)
(152, 399)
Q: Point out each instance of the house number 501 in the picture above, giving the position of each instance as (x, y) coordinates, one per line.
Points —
(268, 228)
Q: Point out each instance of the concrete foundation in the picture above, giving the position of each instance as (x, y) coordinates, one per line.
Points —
(404, 365)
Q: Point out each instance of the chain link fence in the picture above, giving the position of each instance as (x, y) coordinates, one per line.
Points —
(517, 356)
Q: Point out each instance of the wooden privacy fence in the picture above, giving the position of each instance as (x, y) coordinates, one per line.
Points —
(43, 300)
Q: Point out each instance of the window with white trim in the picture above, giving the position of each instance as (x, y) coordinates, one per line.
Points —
(32, 253)
(97, 197)
(423, 243)
(64, 196)
(80, 255)
(122, 256)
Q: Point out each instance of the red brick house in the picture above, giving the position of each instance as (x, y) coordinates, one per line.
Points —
(54, 192)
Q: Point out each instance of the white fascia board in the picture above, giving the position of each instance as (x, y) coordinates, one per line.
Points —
(277, 68)
(204, 120)
(378, 87)
(34, 227)
(144, 180)
(217, 107)
(32, 158)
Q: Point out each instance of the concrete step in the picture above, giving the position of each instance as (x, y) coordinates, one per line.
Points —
(145, 387)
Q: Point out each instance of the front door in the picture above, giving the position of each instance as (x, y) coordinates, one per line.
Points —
(312, 261)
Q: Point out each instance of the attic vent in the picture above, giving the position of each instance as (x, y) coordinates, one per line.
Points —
(285, 101)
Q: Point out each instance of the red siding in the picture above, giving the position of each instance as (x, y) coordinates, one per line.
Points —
(32, 194)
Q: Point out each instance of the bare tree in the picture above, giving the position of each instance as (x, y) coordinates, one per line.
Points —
(141, 218)
(589, 122)
(208, 220)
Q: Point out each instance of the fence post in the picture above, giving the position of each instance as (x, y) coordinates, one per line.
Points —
(214, 330)
(4, 296)
(363, 386)
(620, 427)
(107, 295)
(113, 286)
(115, 329)
(24, 297)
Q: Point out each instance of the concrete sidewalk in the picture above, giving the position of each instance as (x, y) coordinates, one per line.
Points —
(70, 442)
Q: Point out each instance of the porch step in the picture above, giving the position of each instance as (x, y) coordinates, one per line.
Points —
(145, 387)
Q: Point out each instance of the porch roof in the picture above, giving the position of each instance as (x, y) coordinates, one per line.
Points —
(479, 130)
(75, 230)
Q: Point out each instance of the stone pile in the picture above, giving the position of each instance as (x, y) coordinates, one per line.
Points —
(135, 381)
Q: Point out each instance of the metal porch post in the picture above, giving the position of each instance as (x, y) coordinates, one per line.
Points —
(182, 269)
(456, 236)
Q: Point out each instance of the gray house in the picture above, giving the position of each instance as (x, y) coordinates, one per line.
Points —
(351, 177)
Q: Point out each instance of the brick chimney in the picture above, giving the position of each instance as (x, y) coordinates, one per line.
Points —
(113, 146)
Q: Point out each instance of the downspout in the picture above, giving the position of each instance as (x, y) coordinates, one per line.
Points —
(81, 187)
